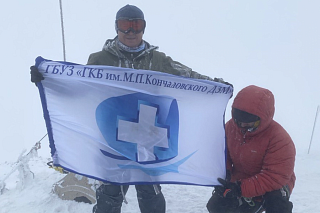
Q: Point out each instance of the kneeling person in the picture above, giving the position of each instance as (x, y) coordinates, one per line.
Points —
(260, 159)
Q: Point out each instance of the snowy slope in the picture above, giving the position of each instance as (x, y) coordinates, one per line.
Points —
(36, 197)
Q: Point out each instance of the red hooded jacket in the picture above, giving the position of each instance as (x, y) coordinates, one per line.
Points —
(263, 160)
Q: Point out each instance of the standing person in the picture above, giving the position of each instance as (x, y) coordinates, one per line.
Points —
(129, 50)
(260, 160)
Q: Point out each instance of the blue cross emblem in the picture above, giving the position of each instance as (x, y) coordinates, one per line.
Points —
(140, 127)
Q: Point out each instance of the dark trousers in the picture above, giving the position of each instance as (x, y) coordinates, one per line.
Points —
(271, 202)
(110, 198)
(276, 202)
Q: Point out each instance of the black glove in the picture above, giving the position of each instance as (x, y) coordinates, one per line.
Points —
(220, 80)
(232, 190)
(36, 76)
(219, 190)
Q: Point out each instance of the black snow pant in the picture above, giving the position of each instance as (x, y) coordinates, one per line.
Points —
(275, 202)
(110, 198)
(271, 202)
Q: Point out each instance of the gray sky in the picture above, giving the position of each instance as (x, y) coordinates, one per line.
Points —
(272, 44)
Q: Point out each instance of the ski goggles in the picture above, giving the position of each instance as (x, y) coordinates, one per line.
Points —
(134, 25)
(250, 127)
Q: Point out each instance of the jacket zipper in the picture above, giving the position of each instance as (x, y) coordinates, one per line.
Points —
(244, 138)
(132, 66)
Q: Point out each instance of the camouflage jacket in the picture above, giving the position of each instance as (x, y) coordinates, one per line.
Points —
(148, 59)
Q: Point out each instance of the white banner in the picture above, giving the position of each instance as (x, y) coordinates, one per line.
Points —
(134, 126)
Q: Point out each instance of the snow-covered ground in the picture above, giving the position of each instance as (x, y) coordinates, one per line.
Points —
(35, 196)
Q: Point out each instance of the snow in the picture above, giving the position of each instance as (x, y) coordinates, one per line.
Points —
(35, 195)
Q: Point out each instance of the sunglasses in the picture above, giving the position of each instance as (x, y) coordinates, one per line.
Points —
(134, 25)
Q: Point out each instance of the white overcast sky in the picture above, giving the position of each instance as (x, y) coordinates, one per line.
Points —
(269, 43)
